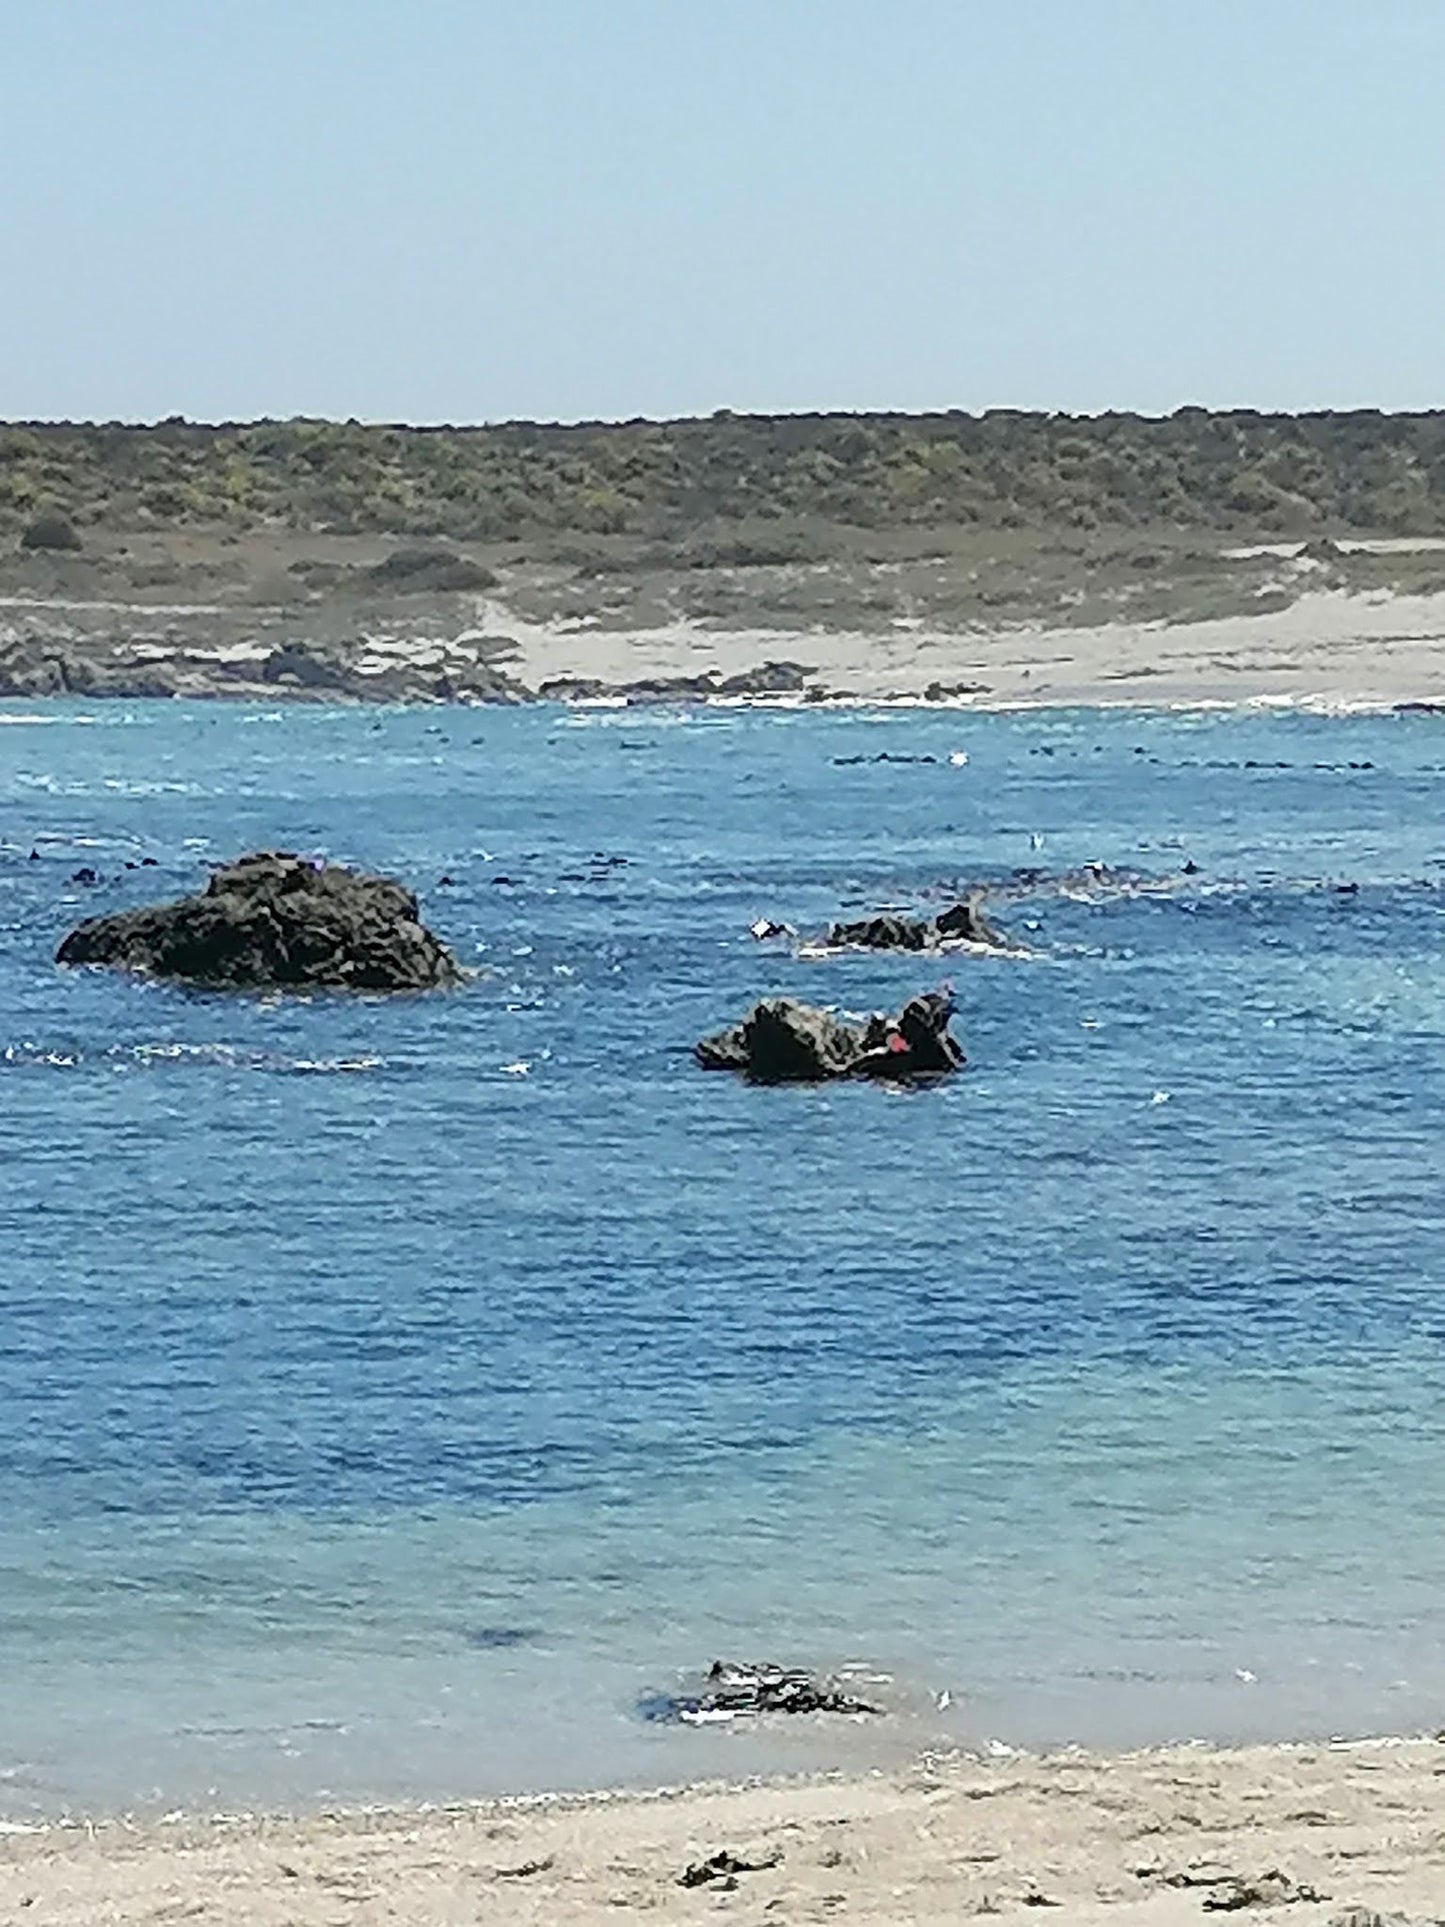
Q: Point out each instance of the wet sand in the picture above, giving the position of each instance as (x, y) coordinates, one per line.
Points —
(1159, 1838)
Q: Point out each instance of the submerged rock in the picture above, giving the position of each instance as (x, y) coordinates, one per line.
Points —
(275, 921)
(962, 922)
(729, 1692)
(781, 1041)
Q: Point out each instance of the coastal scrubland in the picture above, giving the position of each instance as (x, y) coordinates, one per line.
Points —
(1006, 469)
(345, 560)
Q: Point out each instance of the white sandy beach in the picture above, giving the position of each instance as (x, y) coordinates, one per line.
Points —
(1156, 1839)
(1329, 647)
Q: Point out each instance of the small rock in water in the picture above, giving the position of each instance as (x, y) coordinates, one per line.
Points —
(962, 922)
(781, 1041)
(729, 1692)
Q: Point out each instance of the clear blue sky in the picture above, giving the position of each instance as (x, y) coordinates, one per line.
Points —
(470, 210)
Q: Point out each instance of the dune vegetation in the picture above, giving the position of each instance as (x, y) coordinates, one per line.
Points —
(1193, 470)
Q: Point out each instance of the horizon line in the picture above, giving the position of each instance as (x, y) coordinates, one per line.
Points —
(722, 414)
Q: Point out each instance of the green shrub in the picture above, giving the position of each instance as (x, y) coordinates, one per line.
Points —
(431, 571)
(51, 531)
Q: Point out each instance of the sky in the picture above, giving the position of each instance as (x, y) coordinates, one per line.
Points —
(481, 210)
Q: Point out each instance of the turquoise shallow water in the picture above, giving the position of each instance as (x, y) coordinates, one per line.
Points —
(391, 1393)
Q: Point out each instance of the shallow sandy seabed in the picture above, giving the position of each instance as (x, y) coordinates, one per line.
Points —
(1299, 1833)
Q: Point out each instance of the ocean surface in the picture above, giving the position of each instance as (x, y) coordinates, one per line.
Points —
(392, 1394)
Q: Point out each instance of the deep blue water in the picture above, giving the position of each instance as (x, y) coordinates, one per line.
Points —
(390, 1392)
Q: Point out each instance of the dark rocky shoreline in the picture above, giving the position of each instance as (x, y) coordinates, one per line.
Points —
(298, 672)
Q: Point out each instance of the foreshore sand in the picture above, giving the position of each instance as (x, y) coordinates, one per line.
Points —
(1327, 649)
(1330, 648)
(1160, 1838)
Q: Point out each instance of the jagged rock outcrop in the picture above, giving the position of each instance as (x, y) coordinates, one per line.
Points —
(781, 1041)
(275, 921)
(962, 922)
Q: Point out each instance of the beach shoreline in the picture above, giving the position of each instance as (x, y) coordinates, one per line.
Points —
(1262, 626)
(1157, 1837)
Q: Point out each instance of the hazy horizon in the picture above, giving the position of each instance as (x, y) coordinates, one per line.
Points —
(661, 421)
(477, 213)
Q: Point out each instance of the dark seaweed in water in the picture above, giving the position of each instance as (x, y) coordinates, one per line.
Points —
(499, 1639)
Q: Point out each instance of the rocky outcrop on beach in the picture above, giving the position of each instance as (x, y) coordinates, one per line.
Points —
(781, 1041)
(35, 666)
(275, 921)
(962, 922)
(769, 679)
(39, 665)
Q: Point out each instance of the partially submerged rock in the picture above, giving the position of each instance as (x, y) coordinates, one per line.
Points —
(729, 1692)
(275, 921)
(781, 1041)
(962, 922)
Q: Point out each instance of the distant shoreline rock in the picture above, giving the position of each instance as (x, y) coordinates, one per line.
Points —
(275, 921)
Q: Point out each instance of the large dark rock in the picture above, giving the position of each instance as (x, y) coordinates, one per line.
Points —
(784, 1042)
(962, 922)
(273, 921)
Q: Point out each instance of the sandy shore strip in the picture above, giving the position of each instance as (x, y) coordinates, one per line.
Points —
(1307, 1833)
(1328, 649)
